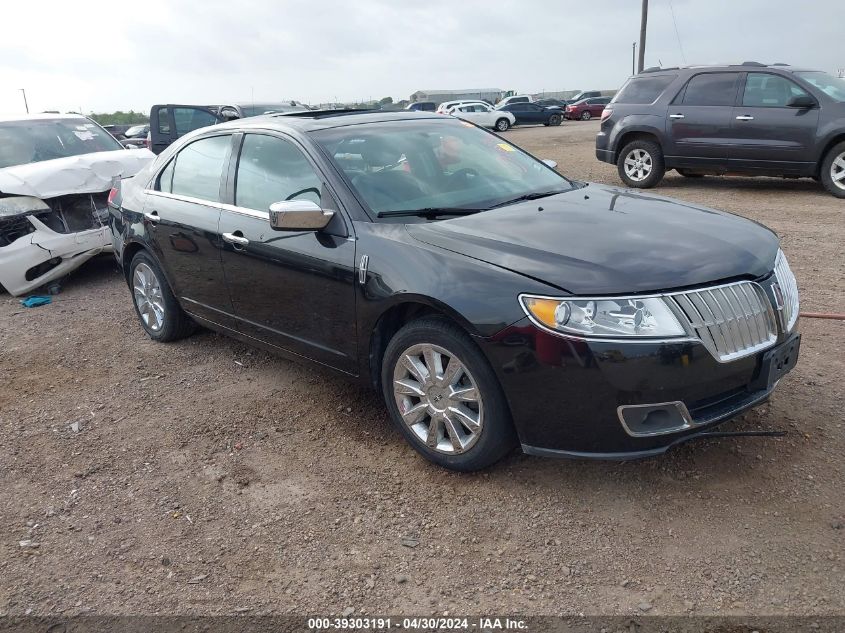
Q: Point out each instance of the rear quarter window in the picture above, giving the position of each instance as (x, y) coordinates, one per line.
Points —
(643, 90)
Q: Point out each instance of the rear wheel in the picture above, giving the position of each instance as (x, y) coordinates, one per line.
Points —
(640, 164)
(833, 170)
(502, 125)
(443, 396)
(554, 119)
(157, 309)
(586, 116)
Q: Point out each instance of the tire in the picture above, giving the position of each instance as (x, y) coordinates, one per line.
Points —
(651, 168)
(554, 119)
(477, 437)
(586, 116)
(159, 313)
(503, 125)
(689, 174)
(832, 172)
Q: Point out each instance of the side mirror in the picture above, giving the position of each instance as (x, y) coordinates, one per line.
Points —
(298, 215)
(801, 101)
(551, 163)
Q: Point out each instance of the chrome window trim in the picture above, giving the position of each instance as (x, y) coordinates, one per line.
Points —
(208, 203)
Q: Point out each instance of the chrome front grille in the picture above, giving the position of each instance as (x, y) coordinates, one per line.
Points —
(732, 321)
(788, 291)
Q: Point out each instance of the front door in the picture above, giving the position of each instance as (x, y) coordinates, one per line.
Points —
(182, 217)
(698, 126)
(292, 289)
(768, 135)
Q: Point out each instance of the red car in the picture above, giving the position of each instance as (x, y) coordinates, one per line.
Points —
(586, 109)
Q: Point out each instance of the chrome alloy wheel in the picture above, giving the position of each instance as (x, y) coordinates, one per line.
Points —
(438, 399)
(146, 290)
(638, 165)
(837, 171)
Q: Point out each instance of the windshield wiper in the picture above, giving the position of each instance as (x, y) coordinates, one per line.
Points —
(428, 212)
(529, 196)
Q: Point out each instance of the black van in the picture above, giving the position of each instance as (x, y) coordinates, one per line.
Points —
(171, 121)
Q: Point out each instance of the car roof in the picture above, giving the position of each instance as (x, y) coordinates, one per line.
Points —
(311, 120)
(46, 116)
(743, 67)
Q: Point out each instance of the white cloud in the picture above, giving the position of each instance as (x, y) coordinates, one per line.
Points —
(90, 55)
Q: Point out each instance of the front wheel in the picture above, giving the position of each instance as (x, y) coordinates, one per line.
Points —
(502, 125)
(158, 311)
(586, 116)
(554, 119)
(833, 170)
(640, 164)
(443, 396)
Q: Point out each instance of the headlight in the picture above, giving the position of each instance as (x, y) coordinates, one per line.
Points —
(611, 317)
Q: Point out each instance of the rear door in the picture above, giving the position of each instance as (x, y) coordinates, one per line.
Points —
(291, 289)
(182, 216)
(698, 127)
(768, 135)
(170, 122)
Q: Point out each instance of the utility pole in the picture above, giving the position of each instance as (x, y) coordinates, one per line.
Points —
(23, 90)
(643, 23)
(634, 58)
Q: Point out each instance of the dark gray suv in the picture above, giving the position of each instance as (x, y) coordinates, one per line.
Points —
(751, 119)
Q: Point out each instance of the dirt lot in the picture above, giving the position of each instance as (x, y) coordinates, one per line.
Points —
(205, 477)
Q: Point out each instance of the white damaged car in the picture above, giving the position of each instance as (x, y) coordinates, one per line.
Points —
(56, 172)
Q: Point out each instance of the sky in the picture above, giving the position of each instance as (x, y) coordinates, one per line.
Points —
(89, 56)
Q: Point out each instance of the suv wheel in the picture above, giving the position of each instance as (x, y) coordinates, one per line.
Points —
(502, 125)
(444, 397)
(157, 309)
(833, 170)
(640, 164)
(586, 116)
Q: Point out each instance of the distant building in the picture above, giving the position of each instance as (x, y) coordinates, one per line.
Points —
(439, 96)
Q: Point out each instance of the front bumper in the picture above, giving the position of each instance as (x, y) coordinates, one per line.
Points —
(565, 394)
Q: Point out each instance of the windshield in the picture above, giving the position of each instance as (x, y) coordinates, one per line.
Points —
(434, 163)
(35, 140)
(833, 87)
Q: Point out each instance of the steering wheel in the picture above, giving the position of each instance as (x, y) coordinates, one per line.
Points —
(301, 191)
(466, 171)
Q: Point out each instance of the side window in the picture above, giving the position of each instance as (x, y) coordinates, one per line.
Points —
(163, 125)
(763, 90)
(711, 89)
(165, 179)
(271, 170)
(198, 167)
(190, 119)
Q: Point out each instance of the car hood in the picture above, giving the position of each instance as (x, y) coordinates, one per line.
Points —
(86, 173)
(603, 240)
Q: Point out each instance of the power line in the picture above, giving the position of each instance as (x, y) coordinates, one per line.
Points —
(678, 35)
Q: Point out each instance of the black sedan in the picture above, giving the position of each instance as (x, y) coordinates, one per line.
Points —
(490, 300)
(534, 114)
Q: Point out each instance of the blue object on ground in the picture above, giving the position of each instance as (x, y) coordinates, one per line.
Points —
(35, 300)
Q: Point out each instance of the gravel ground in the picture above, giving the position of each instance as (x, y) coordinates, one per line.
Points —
(204, 477)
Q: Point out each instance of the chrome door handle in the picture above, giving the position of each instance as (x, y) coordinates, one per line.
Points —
(240, 240)
(152, 216)
(745, 117)
(676, 116)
